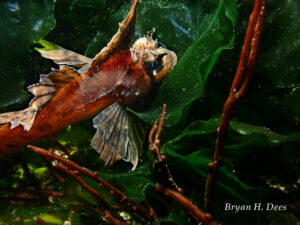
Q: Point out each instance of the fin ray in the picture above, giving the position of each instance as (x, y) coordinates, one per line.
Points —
(62, 56)
(43, 93)
(121, 40)
(116, 135)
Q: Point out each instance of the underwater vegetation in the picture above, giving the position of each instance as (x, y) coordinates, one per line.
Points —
(260, 155)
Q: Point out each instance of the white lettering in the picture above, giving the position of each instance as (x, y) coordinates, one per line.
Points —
(236, 208)
(257, 206)
(227, 206)
(270, 206)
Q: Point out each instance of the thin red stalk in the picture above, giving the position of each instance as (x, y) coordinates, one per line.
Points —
(76, 176)
(54, 172)
(112, 220)
(97, 211)
(253, 55)
(93, 175)
(152, 212)
(247, 48)
(35, 192)
(59, 145)
(31, 178)
(25, 200)
(154, 142)
(106, 214)
(148, 215)
(160, 125)
(152, 132)
(238, 89)
(191, 208)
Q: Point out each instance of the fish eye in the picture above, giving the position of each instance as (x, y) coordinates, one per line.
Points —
(155, 66)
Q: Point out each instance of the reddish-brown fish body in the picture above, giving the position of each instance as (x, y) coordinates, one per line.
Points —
(119, 75)
(119, 79)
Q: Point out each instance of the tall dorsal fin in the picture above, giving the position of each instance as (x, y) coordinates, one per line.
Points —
(62, 56)
(121, 40)
(43, 93)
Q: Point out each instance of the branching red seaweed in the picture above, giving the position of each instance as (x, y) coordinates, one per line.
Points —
(191, 208)
(73, 169)
(93, 175)
(106, 214)
(30, 177)
(154, 142)
(76, 176)
(238, 89)
(53, 171)
(59, 145)
(31, 191)
(112, 220)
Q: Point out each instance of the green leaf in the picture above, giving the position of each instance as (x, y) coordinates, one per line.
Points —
(279, 218)
(177, 215)
(193, 148)
(245, 135)
(134, 183)
(210, 30)
(75, 218)
(196, 163)
(199, 32)
(278, 61)
(20, 213)
(33, 211)
(73, 192)
(22, 24)
(46, 45)
(191, 151)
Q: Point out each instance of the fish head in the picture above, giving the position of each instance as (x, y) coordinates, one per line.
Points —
(157, 61)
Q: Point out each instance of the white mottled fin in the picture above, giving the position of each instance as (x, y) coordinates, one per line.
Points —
(43, 93)
(62, 56)
(119, 135)
(24, 117)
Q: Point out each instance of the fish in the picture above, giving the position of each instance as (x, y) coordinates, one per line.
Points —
(118, 77)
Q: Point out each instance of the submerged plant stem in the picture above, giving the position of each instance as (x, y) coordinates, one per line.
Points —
(193, 210)
(238, 89)
(154, 142)
(74, 169)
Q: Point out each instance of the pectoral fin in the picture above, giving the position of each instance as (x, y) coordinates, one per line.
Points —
(62, 56)
(119, 135)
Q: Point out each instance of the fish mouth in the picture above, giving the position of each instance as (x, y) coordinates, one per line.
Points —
(169, 60)
(157, 61)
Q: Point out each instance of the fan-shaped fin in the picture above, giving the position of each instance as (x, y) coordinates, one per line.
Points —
(43, 93)
(121, 40)
(62, 56)
(119, 135)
